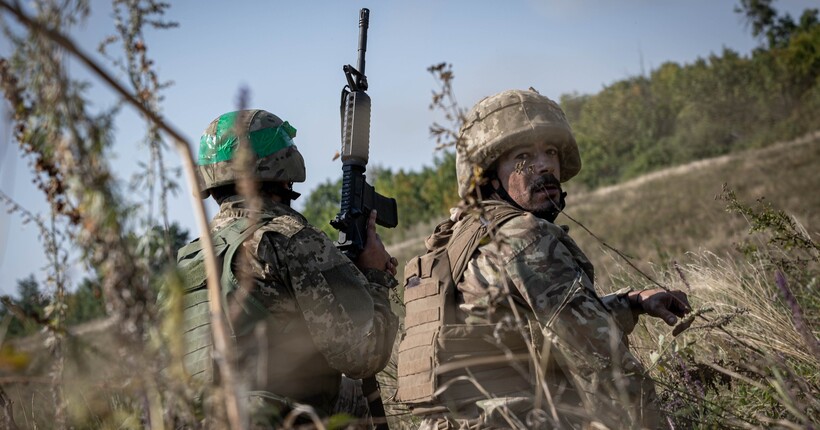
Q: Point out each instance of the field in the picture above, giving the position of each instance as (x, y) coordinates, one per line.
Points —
(662, 216)
(750, 358)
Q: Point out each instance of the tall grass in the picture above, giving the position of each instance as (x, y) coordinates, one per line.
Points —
(742, 362)
(746, 357)
(749, 357)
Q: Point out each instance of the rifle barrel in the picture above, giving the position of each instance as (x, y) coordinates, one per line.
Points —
(364, 23)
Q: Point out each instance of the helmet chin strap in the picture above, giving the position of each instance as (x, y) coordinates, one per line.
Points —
(549, 214)
(286, 193)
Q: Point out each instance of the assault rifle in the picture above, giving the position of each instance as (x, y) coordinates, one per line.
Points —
(359, 197)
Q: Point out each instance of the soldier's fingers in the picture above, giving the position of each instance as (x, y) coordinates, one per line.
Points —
(668, 317)
(391, 265)
(372, 236)
(659, 308)
(679, 303)
(685, 299)
(371, 221)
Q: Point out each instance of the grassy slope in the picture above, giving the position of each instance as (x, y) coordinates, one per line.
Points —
(656, 218)
(660, 216)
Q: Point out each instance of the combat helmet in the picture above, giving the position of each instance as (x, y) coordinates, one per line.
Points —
(276, 158)
(502, 121)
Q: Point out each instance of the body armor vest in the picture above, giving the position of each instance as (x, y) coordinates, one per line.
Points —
(198, 359)
(437, 347)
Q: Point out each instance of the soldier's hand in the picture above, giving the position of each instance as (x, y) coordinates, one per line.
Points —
(660, 303)
(374, 255)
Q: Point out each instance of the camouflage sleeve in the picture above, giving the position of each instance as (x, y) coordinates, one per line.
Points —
(348, 316)
(621, 310)
(548, 278)
(542, 268)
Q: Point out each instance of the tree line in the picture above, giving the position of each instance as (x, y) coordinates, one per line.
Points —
(676, 114)
(31, 310)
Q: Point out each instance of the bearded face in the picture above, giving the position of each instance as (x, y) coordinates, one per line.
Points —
(531, 175)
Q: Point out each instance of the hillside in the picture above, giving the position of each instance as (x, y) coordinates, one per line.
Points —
(655, 218)
(747, 356)
(658, 217)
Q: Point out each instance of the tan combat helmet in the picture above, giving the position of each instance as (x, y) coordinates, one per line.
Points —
(276, 158)
(500, 122)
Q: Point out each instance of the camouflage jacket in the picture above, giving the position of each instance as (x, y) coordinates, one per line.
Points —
(544, 264)
(534, 266)
(325, 317)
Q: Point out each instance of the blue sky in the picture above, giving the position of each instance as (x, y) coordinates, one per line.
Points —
(289, 55)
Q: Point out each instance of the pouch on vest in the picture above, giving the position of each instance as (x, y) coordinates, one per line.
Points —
(432, 335)
(198, 358)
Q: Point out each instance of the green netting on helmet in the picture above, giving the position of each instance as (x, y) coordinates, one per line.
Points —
(220, 145)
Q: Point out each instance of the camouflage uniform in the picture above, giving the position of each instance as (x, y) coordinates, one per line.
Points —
(300, 312)
(534, 265)
(526, 342)
(325, 317)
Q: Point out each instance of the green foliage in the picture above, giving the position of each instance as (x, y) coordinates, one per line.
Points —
(85, 304)
(158, 247)
(776, 29)
(783, 229)
(753, 331)
(677, 114)
(26, 310)
(420, 196)
(322, 205)
(716, 105)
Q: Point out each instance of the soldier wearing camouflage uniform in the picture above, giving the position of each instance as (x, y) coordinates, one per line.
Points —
(512, 334)
(301, 313)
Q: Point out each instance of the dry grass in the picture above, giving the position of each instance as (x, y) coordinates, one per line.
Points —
(742, 363)
(661, 216)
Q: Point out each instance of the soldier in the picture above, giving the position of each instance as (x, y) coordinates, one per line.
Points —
(300, 312)
(504, 328)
